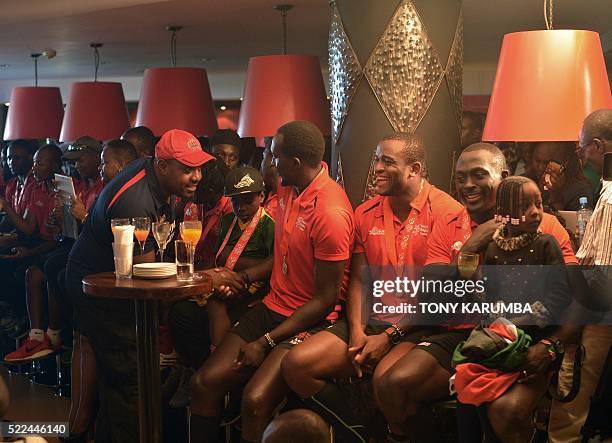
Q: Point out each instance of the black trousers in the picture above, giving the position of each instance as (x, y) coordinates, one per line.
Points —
(110, 327)
(189, 325)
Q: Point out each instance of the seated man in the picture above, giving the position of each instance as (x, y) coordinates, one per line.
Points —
(369, 340)
(421, 376)
(312, 247)
(37, 239)
(19, 161)
(246, 239)
(42, 344)
(86, 151)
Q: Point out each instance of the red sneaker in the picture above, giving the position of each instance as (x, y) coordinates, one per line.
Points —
(31, 350)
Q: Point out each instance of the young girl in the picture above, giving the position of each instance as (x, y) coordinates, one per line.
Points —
(522, 248)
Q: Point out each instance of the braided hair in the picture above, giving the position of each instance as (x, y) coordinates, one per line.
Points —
(510, 198)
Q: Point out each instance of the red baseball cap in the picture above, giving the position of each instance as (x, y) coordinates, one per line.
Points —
(183, 147)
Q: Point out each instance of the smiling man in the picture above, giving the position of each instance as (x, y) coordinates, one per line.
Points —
(404, 212)
(421, 376)
(143, 189)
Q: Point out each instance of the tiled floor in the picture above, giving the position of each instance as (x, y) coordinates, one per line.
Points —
(31, 403)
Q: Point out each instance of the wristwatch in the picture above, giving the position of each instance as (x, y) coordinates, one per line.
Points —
(395, 334)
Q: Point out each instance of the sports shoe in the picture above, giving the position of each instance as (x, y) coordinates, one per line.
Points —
(167, 354)
(32, 350)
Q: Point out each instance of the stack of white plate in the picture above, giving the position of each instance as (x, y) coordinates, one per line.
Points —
(154, 270)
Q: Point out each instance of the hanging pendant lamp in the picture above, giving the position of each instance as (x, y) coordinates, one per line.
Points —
(35, 112)
(283, 88)
(176, 98)
(95, 108)
(547, 82)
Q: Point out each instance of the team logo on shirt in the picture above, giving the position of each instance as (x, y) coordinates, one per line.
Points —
(244, 182)
(281, 203)
(376, 231)
(457, 246)
(300, 223)
(39, 203)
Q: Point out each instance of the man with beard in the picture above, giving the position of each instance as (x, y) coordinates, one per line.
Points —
(421, 376)
(143, 189)
(368, 340)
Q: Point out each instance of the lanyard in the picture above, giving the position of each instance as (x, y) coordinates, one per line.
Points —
(397, 260)
(242, 242)
(292, 209)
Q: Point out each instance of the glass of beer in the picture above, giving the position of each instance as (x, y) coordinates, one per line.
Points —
(142, 226)
(119, 222)
(467, 264)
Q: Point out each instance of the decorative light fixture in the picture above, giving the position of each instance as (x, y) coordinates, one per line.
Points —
(282, 88)
(547, 82)
(176, 98)
(95, 108)
(34, 112)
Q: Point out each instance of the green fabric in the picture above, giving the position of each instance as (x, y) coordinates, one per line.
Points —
(261, 243)
(481, 348)
(592, 176)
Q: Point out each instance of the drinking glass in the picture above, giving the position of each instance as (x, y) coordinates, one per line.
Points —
(119, 222)
(123, 256)
(142, 226)
(184, 260)
(162, 233)
(191, 232)
(467, 264)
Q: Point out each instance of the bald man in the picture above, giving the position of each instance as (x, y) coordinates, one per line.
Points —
(596, 140)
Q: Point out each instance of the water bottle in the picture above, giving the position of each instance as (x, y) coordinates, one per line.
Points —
(583, 217)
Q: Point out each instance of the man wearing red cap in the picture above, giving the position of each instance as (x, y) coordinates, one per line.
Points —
(143, 189)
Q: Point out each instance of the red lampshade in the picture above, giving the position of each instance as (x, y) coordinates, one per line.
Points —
(280, 89)
(96, 109)
(176, 98)
(547, 82)
(34, 113)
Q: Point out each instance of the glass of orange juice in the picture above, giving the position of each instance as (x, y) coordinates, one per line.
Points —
(190, 233)
(142, 226)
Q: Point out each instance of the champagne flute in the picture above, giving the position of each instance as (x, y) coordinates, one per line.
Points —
(142, 226)
(162, 232)
(191, 231)
(467, 263)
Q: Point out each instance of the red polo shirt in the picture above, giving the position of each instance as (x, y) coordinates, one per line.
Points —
(271, 205)
(40, 204)
(88, 192)
(15, 193)
(410, 236)
(451, 232)
(211, 223)
(323, 230)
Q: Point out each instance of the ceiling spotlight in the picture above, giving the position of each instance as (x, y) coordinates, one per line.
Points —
(223, 107)
(207, 59)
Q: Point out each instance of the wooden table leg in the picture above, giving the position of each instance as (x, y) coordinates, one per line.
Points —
(149, 397)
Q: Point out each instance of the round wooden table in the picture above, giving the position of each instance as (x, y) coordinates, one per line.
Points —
(146, 294)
